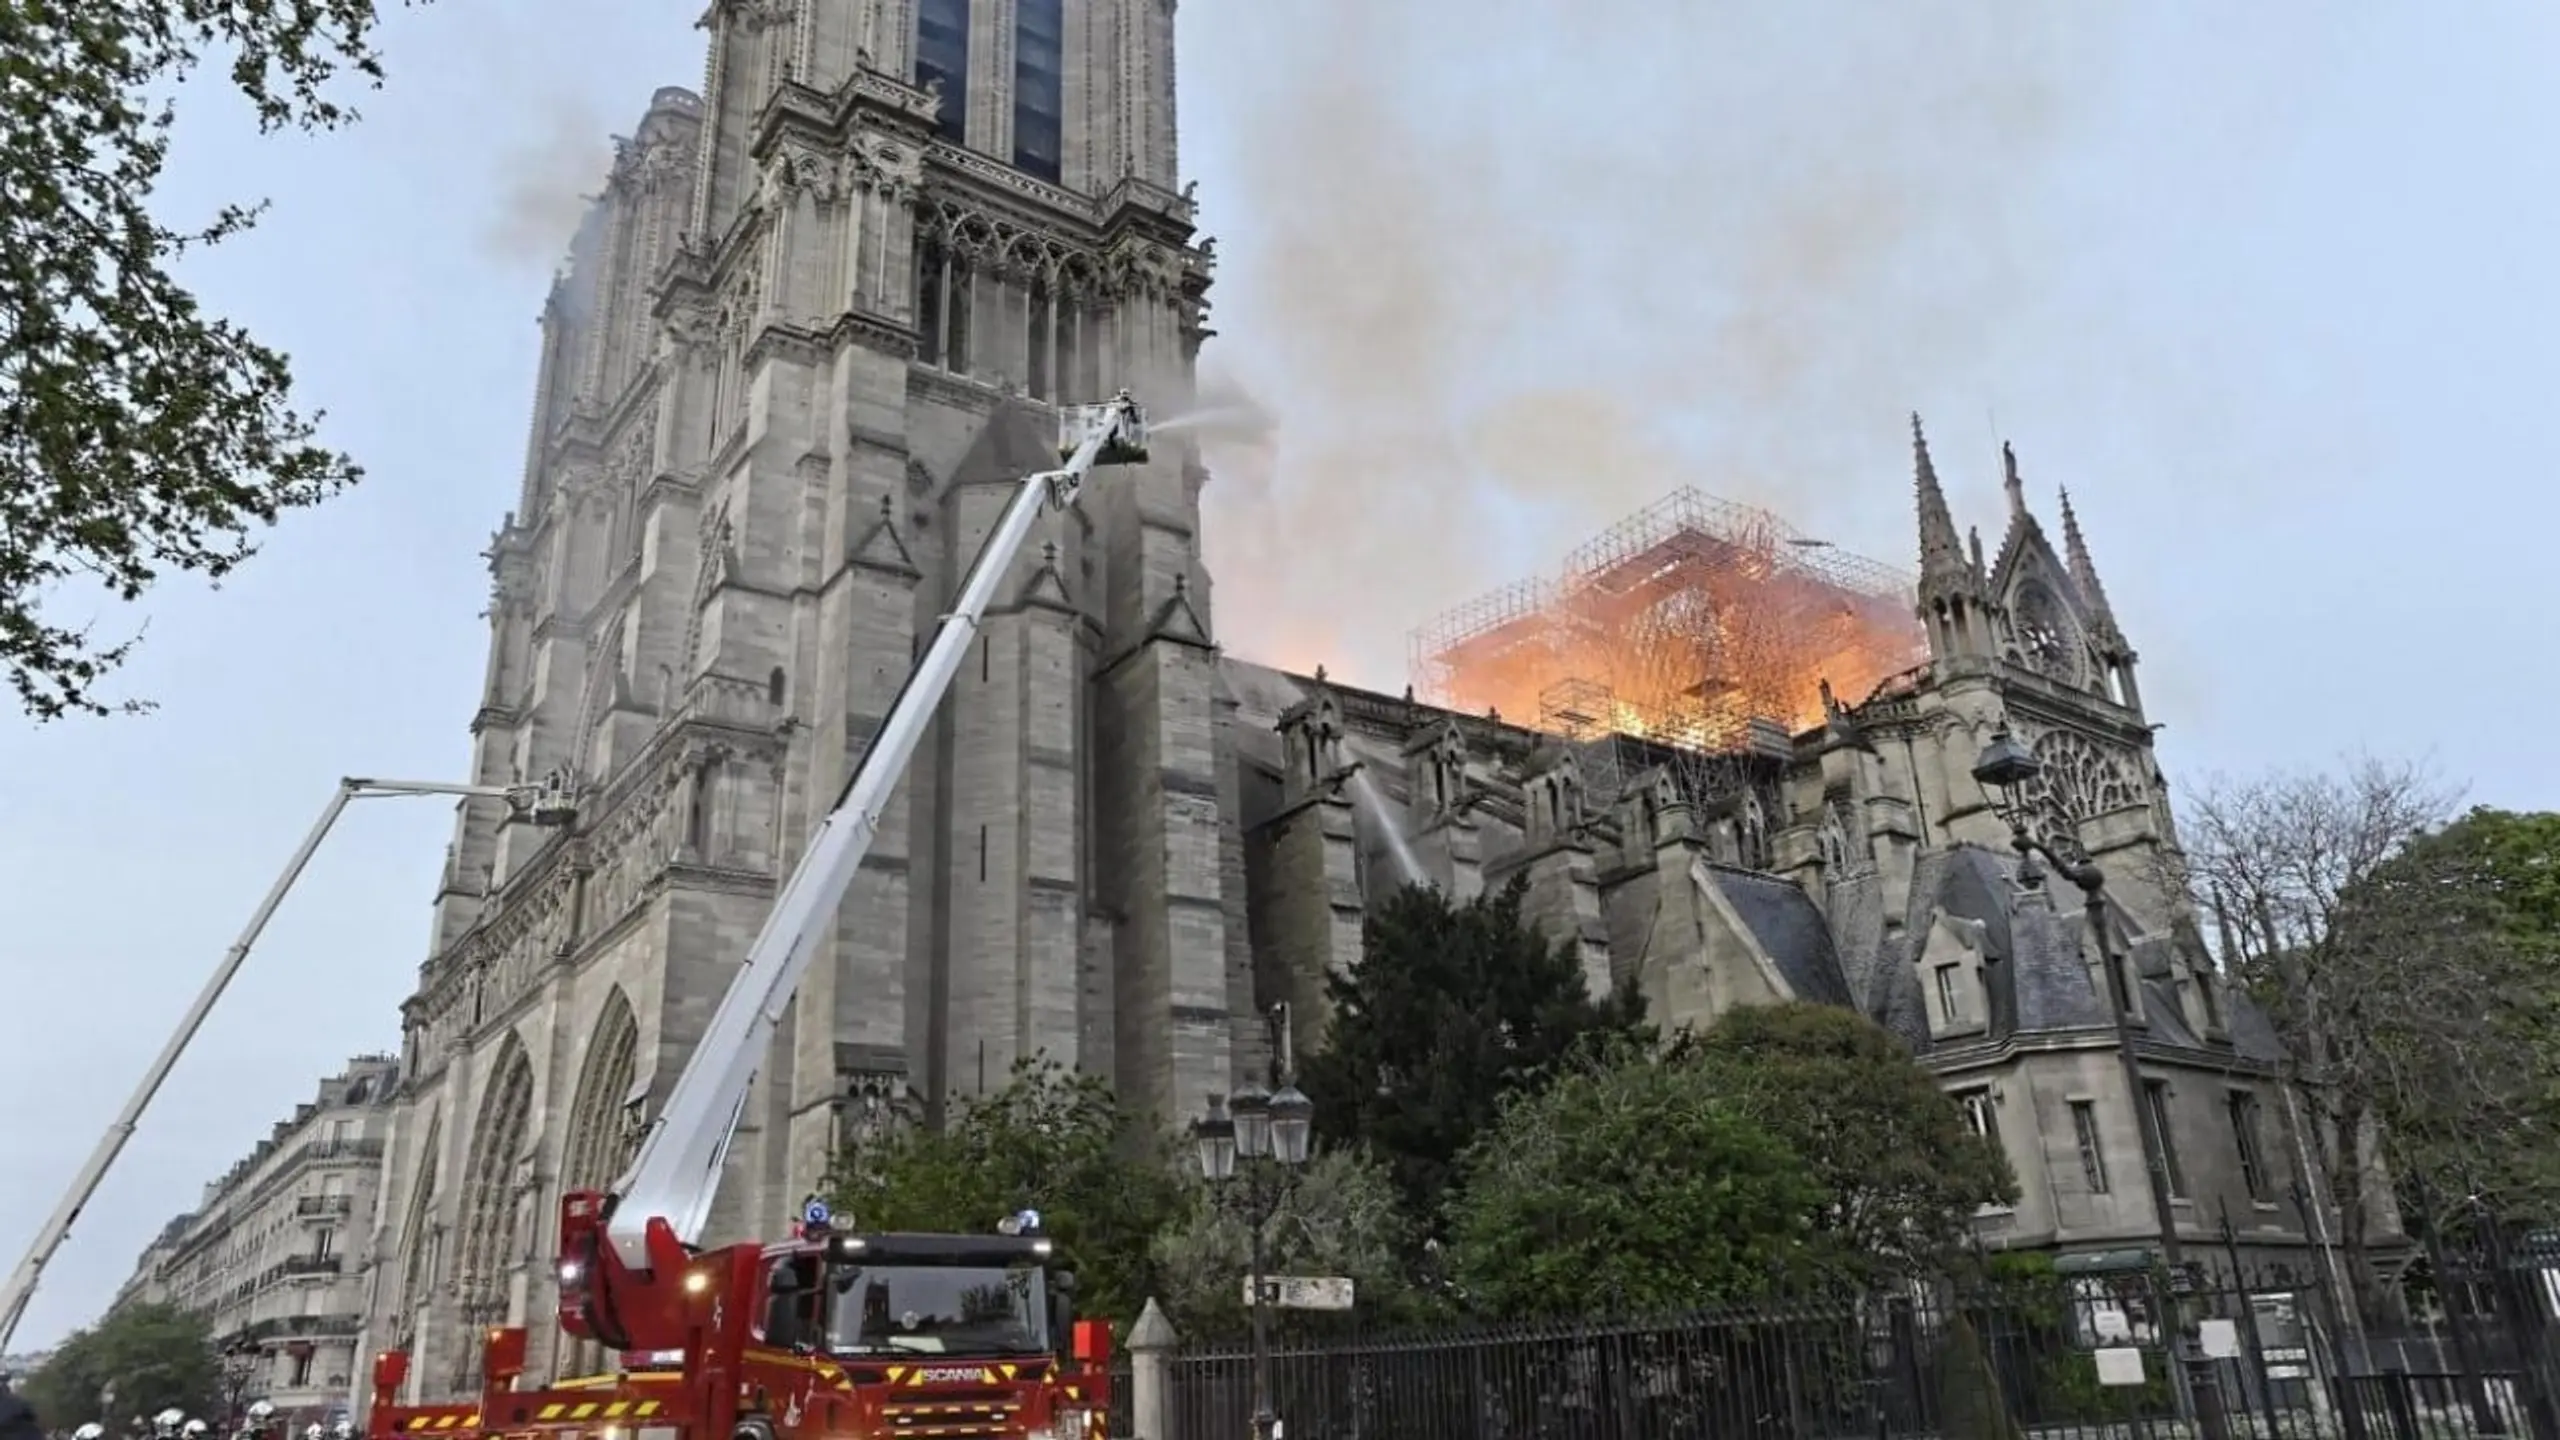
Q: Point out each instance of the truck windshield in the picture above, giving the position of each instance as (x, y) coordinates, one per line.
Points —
(941, 1310)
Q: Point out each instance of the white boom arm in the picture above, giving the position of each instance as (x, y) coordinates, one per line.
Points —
(542, 806)
(677, 1170)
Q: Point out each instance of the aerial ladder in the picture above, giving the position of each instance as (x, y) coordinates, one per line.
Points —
(548, 804)
(833, 1334)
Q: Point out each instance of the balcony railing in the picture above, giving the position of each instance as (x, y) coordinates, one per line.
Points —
(312, 1265)
(292, 1327)
(323, 1206)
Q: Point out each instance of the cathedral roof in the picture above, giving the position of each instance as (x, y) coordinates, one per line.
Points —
(2032, 941)
(1790, 929)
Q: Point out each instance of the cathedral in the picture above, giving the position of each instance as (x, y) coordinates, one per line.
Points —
(807, 342)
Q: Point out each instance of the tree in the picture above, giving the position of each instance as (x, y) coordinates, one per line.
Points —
(156, 1356)
(1903, 1172)
(1050, 1141)
(1971, 1405)
(1341, 1217)
(2280, 865)
(2458, 938)
(1453, 1008)
(138, 435)
(1629, 1187)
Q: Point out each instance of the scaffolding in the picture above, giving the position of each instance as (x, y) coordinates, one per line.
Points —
(1680, 625)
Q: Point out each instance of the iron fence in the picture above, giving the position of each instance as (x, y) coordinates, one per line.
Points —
(2125, 1354)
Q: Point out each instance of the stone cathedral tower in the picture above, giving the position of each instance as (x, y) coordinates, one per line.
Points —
(807, 342)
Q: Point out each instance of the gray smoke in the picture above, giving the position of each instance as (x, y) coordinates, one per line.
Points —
(547, 181)
(1507, 270)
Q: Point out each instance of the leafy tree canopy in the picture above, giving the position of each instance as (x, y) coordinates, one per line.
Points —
(156, 1357)
(2455, 941)
(1339, 1217)
(1049, 1140)
(1630, 1186)
(1453, 1008)
(1902, 1171)
(138, 435)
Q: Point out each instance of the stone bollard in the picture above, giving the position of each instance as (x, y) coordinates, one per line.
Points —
(1151, 1343)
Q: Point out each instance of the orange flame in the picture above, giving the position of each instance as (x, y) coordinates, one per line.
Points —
(1685, 642)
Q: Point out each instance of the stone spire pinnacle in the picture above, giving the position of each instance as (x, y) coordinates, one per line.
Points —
(1941, 549)
(2010, 482)
(2084, 576)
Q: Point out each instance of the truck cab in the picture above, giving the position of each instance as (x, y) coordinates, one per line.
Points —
(891, 1297)
(961, 1337)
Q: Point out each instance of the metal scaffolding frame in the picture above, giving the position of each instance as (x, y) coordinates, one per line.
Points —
(1682, 623)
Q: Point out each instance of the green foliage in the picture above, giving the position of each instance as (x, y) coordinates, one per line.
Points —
(1453, 1008)
(156, 1356)
(2033, 1304)
(1049, 1140)
(1629, 1187)
(2457, 940)
(137, 434)
(1903, 1172)
(1340, 1217)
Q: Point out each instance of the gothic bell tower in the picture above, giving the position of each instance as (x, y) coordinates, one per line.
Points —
(918, 227)
(2027, 640)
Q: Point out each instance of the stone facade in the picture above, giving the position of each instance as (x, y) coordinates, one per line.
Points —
(807, 343)
(278, 1254)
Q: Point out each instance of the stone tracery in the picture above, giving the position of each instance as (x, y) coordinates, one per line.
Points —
(417, 1234)
(491, 1198)
(602, 1130)
(2081, 780)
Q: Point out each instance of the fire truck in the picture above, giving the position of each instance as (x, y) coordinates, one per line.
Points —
(833, 1334)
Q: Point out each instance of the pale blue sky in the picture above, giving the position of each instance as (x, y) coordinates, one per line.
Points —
(2268, 286)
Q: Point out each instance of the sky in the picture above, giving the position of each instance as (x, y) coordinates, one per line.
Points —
(2267, 287)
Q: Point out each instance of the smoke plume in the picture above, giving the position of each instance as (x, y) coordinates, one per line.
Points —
(547, 182)
(1507, 270)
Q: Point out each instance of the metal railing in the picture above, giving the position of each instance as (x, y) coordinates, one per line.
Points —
(2057, 1357)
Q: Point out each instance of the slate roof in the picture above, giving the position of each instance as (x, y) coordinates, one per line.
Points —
(1789, 927)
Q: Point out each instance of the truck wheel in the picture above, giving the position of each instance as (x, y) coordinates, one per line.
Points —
(754, 1428)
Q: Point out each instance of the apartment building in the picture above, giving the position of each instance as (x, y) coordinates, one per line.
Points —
(273, 1254)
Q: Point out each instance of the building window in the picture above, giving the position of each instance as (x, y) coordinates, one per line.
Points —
(2093, 1157)
(942, 57)
(1044, 340)
(942, 308)
(301, 1369)
(1039, 86)
(1981, 1114)
(324, 1243)
(1950, 1009)
(2120, 983)
(2155, 1099)
(2253, 1155)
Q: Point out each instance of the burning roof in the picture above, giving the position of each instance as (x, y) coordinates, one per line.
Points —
(1681, 624)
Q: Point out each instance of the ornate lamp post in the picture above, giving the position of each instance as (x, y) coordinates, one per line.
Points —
(239, 1368)
(2003, 770)
(1251, 1148)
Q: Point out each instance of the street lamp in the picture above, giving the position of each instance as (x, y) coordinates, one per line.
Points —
(2004, 769)
(239, 1368)
(551, 804)
(1260, 1139)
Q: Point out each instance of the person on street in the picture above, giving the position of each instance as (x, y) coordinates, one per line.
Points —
(17, 1417)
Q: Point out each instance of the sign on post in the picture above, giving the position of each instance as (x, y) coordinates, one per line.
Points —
(1300, 1292)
